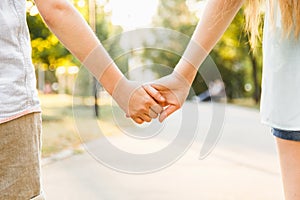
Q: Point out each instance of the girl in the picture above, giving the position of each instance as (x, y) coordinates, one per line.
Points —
(281, 74)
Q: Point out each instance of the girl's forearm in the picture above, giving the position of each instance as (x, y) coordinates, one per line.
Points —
(216, 18)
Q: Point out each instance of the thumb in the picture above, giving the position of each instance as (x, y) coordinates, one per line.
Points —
(167, 112)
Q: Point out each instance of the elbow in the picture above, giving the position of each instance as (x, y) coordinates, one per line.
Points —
(52, 11)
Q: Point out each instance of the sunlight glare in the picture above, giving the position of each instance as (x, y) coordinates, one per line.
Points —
(131, 14)
(81, 3)
(34, 11)
(196, 7)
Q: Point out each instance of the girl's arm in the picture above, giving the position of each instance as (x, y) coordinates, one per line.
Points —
(215, 19)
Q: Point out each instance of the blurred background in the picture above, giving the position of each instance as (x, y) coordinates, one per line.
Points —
(240, 68)
(56, 68)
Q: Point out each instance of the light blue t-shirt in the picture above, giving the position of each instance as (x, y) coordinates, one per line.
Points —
(18, 94)
(280, 102)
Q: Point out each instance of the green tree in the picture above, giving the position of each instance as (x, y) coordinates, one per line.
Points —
(237, 63)
(48, 53)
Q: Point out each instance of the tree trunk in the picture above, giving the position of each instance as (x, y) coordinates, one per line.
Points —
(92, 21)
(256, 94)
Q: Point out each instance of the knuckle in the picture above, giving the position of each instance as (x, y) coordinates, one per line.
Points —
(144, 110)
(159, 109)
(149, 103)
(155, 116)
(148, 100)
(157, 95)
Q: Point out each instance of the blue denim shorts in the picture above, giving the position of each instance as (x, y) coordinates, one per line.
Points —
(286, 135)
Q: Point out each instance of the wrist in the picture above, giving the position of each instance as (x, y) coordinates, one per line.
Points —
(112, 79)
(186, 71)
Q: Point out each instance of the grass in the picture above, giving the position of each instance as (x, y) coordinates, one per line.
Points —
(59, 127)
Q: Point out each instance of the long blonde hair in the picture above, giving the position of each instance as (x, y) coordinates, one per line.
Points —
(290, 13)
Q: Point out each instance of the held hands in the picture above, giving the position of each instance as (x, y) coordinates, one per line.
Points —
(159, 98)
(136, 102)
(174, 88)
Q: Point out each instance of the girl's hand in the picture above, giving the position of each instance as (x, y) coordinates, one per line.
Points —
(174, 88)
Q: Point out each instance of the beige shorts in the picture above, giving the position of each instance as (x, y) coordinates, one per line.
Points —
(20, 147)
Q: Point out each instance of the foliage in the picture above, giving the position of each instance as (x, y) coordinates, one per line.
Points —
(48, 53)
(232, 55)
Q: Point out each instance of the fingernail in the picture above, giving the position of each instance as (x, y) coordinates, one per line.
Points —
(162, 98)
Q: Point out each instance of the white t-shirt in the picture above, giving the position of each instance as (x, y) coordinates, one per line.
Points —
(280, 102)
(18, 94)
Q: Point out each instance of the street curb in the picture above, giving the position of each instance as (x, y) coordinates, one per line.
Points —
(61, 155)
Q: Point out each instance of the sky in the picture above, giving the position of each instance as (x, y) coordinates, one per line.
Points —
(131, 14)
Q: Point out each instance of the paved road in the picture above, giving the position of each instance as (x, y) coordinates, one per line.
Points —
(242, 166)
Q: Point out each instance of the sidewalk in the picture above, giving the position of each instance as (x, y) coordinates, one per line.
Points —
(241, 167)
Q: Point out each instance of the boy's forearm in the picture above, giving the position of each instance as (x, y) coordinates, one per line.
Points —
(73, 31)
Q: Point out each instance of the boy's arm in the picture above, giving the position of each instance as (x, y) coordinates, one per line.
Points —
(73, 31)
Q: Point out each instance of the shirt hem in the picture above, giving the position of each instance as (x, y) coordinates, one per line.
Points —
(281, 127)
(25, 112)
